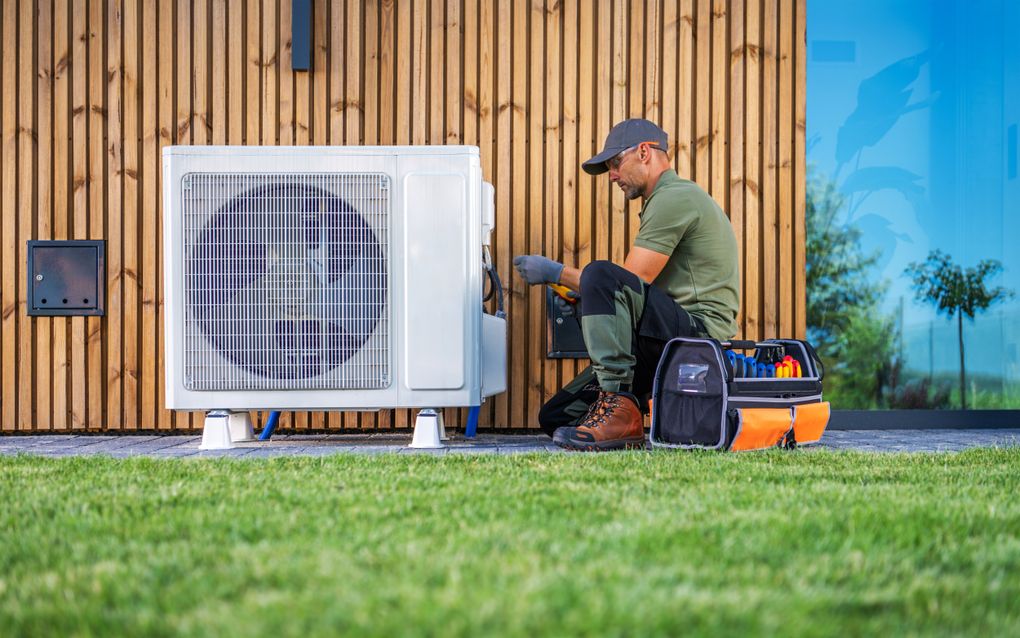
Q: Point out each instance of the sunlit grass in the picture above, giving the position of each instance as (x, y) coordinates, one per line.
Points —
(801, 543)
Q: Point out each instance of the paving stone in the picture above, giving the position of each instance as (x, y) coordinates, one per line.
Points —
(181, 446)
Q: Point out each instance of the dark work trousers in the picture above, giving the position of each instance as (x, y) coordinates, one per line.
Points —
(626, 324)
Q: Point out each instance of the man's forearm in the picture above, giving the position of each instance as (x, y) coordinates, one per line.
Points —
(571, 278)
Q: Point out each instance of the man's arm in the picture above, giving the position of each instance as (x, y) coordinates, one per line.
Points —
(645, 263)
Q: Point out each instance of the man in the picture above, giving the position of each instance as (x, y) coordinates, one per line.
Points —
(679, 279)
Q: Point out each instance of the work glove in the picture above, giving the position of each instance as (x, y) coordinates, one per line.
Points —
(536, 269)
(564, 307)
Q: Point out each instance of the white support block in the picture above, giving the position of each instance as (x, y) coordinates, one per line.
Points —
(224, 428)
(428, 430)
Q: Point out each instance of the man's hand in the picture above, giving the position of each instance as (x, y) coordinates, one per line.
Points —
(536, 269)
(566, 308)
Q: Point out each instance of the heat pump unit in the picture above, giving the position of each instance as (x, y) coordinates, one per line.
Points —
(308, 278)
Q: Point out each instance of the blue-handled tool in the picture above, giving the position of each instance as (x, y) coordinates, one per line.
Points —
(752, 367)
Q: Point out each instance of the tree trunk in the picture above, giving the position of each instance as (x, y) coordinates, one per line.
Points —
(963, 374)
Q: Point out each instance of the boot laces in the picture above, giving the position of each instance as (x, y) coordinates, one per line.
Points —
(601, 409)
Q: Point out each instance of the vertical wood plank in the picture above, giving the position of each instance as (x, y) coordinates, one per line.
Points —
(671, 80)
(770, 170)
(131, 270)
(419, 72)
(8, 223)
(569, 162)
(702, 94)
(470, 101)
(718, 186)
(454, 57)
(685, 135)
(602, 217)
(532, 101)
(353, 72)
(114, 220)
(436, 58)
(388, 87)
(785, 108)
(253, 73)
(799, 51)
(149, 79)
(503, 37)
(79, 230)
(618, 112)
(219, 64)
(752, 176)
(166, 123)
(26, 203)
(337, 75)
(736, 54)
(61, 202)
(44, 175)
(96, 188)
(552, 170)
(236, 66)
(586, 142)
(519, 202)
(286, 81)
(370, 100)
(270, 50)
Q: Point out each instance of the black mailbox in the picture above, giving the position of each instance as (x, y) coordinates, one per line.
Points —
(66, 278)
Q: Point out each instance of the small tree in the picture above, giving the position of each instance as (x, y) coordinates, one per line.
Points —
(955, 291)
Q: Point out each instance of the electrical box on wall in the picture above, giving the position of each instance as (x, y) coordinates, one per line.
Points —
(563, 339)
(66, 278)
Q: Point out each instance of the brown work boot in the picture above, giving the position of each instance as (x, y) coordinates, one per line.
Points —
(613, 422)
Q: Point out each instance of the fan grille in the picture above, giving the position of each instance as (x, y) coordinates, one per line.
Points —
(286, 281)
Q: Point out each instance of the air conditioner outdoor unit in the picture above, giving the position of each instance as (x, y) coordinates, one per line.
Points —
(308, 278)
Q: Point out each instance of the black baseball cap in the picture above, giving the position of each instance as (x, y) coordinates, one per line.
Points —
(623, 136)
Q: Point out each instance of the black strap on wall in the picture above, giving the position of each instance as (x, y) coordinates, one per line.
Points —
(301, 35)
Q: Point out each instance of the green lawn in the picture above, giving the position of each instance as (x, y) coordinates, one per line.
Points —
(637, 544)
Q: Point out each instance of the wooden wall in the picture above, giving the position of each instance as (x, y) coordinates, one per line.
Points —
(91, 90)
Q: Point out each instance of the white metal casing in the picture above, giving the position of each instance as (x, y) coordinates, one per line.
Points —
(440, 214)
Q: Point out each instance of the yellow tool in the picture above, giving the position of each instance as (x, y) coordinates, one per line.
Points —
(564, 293)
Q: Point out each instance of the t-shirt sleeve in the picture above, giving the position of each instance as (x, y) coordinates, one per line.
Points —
(665, 223)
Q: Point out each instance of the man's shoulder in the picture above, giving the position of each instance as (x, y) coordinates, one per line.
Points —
(680, 195)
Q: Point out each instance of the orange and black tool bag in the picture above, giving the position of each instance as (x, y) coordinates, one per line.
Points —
(707, 397)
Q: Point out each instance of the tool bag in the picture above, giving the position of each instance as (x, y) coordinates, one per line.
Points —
(707, 397)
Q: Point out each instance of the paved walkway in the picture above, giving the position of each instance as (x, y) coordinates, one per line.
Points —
(162, 446)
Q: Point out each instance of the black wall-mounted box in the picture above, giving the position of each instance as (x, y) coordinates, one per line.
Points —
(563, 339)
(66, 278)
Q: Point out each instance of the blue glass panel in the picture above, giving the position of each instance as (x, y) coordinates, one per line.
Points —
(913, 108)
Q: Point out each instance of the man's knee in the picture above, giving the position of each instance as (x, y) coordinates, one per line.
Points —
(602, 274)
(600, 281)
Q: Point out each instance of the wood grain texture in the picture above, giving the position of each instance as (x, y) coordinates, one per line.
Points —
(94, 89)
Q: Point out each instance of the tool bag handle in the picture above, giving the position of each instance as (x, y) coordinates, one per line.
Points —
(738, 344)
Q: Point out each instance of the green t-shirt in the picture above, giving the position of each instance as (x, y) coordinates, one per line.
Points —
(679, 219)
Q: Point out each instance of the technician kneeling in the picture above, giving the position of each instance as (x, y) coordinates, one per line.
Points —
(685, 247)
